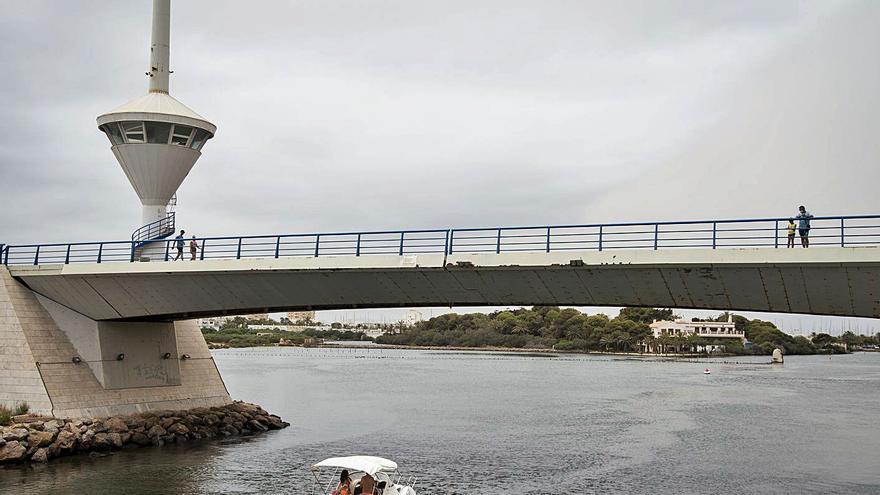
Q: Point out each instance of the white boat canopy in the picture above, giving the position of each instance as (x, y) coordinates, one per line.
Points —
(365, 463)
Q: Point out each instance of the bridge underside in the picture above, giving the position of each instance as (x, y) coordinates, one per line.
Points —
(828, 281)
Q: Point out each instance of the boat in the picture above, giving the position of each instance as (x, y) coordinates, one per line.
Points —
(389, 481)
(707, 372)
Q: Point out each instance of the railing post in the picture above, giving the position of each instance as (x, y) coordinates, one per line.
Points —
(400, 253)
(202, 253)
(600, 238)
(776, 236)
(131, 258)
(357, 248)
(167, 247)
(317, 244)
(100, 251)
(277, 245)
(548, 239)
(842, 238)
(238, 250)
(2, 249)
(37, 256)
(451, 239)
(67, 256)
(498, 242)
(714, 233)
(656, 234)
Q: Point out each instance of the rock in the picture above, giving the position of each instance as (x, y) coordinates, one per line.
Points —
(211, 419)
(2, 442)
(66, 441)
(140, 439)
(178, 429)
(41, 455)
(54, 423)
(99, 427)
(257, 426)
(107, 441)
(156, 431)
(13, 451)
(115, 439)
(53, 451)
(40, 438)
(17, 434)
(165, 423)
(116, 425)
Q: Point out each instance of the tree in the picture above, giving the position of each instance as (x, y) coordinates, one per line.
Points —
(645, 315)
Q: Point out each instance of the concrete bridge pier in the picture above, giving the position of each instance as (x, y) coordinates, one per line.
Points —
(64, 364)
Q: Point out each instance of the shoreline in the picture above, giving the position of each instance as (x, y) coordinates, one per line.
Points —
(517, 350)
(38, 439)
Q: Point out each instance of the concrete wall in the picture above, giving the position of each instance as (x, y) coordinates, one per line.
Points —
(38, 354)
(828, 281)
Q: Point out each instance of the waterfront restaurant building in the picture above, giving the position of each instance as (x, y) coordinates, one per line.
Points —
(707, 329)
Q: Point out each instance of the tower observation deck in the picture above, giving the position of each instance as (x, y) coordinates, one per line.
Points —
(156, 138)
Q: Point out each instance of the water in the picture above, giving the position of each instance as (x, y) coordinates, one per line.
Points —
(472, 423)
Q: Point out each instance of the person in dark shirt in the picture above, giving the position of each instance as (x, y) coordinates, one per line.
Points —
(803, 219)
(178, 243)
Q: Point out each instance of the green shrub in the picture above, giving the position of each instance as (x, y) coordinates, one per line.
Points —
(6, 413)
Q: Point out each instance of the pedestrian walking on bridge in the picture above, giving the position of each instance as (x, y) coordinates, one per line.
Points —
(193, 247)
(178, 244)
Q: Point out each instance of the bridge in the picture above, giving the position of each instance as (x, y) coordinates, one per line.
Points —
(99, 328)
(717, 264)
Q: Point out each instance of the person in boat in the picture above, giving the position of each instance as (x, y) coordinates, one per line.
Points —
(367, 486)
(344, 486)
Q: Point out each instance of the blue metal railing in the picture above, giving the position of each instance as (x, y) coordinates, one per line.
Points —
(841, 231)
(159, 229)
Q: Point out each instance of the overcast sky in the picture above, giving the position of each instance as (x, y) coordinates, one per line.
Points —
(348, 115)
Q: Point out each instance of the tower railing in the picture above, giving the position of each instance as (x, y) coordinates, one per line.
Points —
(159, 229)
(771, 233)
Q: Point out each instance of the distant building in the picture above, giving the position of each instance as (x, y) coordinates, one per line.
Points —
(257, 316)
(296, 316)
(412, 317)
(212, 323)
(707, 329)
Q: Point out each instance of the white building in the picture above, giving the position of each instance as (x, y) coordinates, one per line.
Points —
(412, 317)
(709, 329)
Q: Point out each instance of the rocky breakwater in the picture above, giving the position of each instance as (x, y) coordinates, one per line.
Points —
(39, 439)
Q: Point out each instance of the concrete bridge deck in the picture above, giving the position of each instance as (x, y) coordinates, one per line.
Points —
(841, 281)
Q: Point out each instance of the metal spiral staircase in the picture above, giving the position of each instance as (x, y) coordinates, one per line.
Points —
(154, 231)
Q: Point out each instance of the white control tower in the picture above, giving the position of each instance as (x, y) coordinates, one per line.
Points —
(156, 138)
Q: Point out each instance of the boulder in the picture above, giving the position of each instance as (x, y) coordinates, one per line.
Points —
(116, 425)
(140, 439)
(156, 431)
(40, 438)
(41, 455)
(66, 441)
(107, 441)
(17, 434)
(257, 426)
(170, 420)
(178, 429)
(13, 451)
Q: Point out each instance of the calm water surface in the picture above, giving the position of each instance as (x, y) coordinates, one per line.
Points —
(472, 423)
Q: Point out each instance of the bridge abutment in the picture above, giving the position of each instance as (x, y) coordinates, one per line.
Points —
(120, 367)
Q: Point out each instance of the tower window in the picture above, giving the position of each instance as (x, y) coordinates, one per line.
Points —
(199, 139)
(157, 132)
(134, 132)
(181, 135)
(113, 132)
